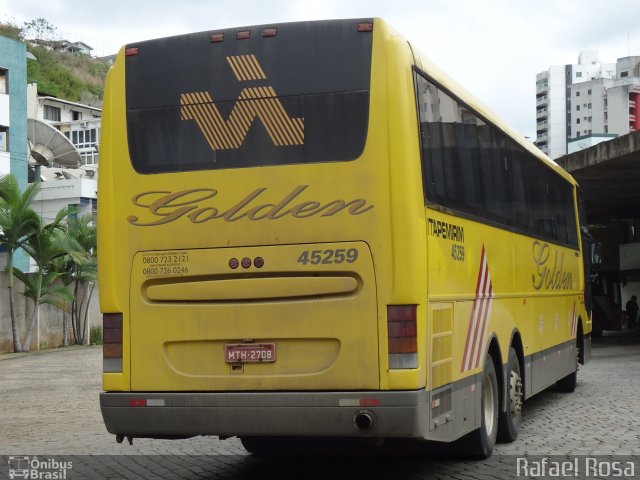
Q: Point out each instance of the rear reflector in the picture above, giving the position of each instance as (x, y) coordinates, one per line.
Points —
(146, 402)
(402, 329)
(112, 342)
(270, 32)
(243, 35)
(217, 37)
(132, 51)
(365, 27)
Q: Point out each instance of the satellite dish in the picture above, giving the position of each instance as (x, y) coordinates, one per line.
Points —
(49, 146)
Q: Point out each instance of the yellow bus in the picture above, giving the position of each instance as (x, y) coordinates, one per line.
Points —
(308, 230)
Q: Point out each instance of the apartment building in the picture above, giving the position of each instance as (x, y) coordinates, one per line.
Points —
(69, 176)
(580, 105)
(14, 148)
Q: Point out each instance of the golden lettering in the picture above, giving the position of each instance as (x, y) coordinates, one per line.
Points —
(555, 278)
(166, 207)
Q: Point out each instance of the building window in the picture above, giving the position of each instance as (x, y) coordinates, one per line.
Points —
(51, 113)
(4, 75)
(4, 139)
(578, 107)
(76, 115)
(577, 94)
(589, 92)
(578, 121)
(590, 119)
(89, 158)
(85, 138)
(578, 74)
(624, 74)
(589, 106)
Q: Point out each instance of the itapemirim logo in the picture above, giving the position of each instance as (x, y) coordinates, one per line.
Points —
(254, 102)
(36, 468)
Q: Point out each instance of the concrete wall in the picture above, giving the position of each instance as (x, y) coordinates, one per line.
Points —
(55, 195)
(618, 105)
(51, 318)
(13, 57)
(557, 112)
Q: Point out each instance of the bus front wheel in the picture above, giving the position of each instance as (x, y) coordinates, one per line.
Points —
(568, 384)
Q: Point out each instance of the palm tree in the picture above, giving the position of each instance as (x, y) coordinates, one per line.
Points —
(48, 243)
(41, 287)
(82, 273)
(18, 222)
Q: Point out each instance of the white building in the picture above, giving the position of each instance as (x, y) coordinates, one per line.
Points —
(578, 106)
(78, 122)
(55, 127)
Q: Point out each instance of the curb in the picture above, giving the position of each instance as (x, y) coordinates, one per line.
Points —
(11, 356)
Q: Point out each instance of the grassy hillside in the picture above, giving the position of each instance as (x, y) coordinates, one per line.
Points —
(66, 75)
(73, 77)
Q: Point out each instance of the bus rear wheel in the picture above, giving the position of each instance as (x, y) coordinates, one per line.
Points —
(480, 443)
(264, 445)
(509, 420)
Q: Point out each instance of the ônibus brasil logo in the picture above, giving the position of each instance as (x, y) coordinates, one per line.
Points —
(36, 468)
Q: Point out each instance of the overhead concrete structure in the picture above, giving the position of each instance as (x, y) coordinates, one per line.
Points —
(609, 174)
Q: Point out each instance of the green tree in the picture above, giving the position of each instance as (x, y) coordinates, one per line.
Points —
(10, 30)
(85, 272)
(81, 273)
(40, 29)
(18, 222)
(48, 243)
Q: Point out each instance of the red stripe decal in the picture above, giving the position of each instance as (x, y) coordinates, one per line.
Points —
(480, 314)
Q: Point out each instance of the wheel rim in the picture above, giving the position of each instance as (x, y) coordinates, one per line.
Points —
(515, 392)
(489, 411)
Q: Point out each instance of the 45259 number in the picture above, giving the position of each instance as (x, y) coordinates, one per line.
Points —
(326, 257)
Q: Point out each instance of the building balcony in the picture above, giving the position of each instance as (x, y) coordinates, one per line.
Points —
(542, 115)
(542, 88)
(544, 100)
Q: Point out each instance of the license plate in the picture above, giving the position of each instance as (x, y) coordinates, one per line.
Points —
(250, 352)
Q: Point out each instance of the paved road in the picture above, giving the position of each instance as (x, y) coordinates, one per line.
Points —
(49, 406)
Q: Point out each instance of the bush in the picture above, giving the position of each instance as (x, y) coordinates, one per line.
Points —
(95, 335)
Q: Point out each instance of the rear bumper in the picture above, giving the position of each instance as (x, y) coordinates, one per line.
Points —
(400, 414)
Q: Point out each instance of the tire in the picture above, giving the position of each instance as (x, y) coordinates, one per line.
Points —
(263, 445)
(509, 420)
(480, 443)
(568, 384)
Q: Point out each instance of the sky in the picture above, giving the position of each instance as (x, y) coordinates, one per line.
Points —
(494, 48)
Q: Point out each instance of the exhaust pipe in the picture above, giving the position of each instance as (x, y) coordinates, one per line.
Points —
(364, 421)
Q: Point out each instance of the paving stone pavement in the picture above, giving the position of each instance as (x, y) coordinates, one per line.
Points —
(49, 409)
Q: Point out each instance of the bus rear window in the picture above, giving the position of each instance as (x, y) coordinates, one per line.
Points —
(301, 96)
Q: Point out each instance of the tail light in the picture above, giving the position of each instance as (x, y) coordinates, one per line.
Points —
(112, 342)
(402, 328)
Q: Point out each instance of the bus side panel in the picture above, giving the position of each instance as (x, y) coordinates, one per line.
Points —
(505, 285)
